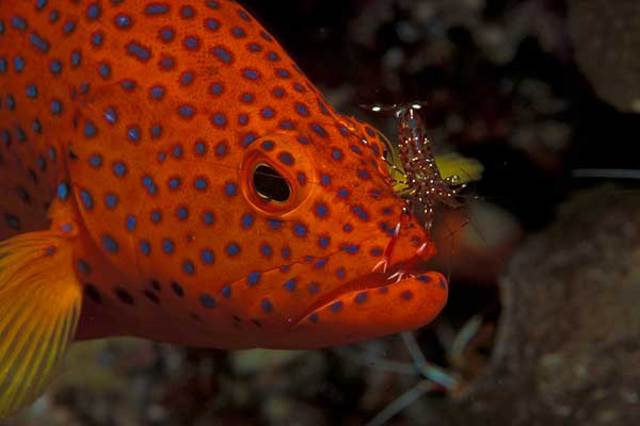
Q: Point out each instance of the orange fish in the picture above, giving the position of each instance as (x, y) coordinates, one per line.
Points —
(168, 172)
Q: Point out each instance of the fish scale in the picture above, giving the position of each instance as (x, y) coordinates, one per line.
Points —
(178, 168)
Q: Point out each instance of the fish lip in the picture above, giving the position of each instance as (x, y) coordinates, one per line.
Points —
(373, 280)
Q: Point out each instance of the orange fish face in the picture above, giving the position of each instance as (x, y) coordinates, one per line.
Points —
(327, 219)
(220, 201)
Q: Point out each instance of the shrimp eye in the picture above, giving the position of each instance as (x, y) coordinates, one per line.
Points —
(270, 185)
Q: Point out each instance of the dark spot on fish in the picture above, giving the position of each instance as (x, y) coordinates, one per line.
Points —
(12, 221)
(177, 289)
(406, 295)
(443, 283)
(152, 296)
(23, 194)
(424, 279)
(155, 284)
(92, 292)
(124, 295)
(33, 175)
(72, 155)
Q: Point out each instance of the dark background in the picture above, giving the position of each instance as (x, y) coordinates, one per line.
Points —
(524, 106)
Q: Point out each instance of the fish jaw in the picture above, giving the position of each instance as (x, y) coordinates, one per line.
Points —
(399, 293)
(368, 307)
(383, 307)
(372, 302)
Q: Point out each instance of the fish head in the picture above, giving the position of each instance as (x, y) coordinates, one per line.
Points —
(338, 260)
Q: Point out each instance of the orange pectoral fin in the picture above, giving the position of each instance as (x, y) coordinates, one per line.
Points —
(40, 301)
(365, 314)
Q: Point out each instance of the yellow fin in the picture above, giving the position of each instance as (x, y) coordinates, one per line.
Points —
(40, 300)
(455, 165)
(450, 165)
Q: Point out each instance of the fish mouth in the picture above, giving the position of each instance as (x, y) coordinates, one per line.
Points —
(405, 297)
(380, 279)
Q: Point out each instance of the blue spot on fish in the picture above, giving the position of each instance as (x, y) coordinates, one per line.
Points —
(63, 191)
(253, 278)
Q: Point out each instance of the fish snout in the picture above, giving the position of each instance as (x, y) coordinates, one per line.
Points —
(402, 303)
(295, 308)
(397, 294)
(362, 290)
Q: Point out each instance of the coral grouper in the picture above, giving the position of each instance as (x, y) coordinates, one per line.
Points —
(168, 172)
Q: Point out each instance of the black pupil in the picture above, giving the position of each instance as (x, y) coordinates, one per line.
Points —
(270, 184)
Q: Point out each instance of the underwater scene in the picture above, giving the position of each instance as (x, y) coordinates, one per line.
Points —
(319, 212)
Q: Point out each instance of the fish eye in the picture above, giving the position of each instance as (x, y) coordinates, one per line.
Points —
(270, 185)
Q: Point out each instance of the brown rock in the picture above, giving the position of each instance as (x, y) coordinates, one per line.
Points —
(606, 38)
(568, 345)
